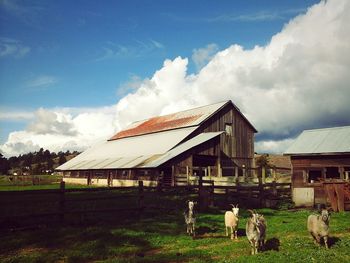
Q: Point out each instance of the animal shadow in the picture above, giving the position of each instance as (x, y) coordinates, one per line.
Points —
(332, 241)
(241, 232)
(205, 230)
(272, 244)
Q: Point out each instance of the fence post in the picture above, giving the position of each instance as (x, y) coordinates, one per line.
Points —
(62, 201)
(263, 174)
(141, 197)
(187, 175)
(274, 188)
(261, 186)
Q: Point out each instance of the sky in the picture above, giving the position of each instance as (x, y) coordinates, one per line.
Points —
(73, 73)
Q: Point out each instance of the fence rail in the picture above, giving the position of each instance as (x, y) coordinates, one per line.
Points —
(61, 203)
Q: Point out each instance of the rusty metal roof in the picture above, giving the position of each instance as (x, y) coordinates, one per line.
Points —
(188, 118)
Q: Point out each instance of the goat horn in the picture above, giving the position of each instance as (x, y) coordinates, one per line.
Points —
(251, 211)
(232, 205)
(237, 206)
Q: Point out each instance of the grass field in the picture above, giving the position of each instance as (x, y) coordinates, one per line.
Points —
(159, 236)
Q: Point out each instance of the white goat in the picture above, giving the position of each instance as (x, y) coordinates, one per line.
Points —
(190, 218)
(231, 221)
(256, 231)
(318, 226)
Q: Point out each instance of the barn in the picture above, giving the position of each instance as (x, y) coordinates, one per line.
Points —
(216, 139)
(321, 166)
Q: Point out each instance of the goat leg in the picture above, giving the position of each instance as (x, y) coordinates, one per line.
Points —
(325, 239)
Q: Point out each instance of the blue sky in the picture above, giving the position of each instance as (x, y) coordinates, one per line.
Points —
(92, 54)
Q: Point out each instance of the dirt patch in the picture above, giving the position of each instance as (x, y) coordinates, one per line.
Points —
(154, 252)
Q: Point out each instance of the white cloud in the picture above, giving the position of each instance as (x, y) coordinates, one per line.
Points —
(299, 80)
(15, 115)
(202, 56)
(12, 48)
(113, 50)
(62, 129)
(41, 82)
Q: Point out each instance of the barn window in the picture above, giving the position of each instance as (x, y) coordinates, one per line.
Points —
(347, 173)
(314, 176)
(228, 128)
(332, 172)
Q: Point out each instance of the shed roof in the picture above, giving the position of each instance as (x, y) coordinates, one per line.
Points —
(131, 147)
(147, 160)
(321, 141)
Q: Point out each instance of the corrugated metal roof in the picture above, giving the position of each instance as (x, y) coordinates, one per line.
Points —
(192, 117)
(142, 161)
(131, 147)
(199, 139)
(322, 141)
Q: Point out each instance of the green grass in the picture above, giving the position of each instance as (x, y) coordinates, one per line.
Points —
(160, 237)
(42, 187)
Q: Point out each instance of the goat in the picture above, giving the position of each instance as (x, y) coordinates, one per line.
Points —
(256, 231)
(318, 226)
(231, 221)
(190, 218)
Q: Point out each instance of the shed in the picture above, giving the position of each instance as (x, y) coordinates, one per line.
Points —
(320, 157)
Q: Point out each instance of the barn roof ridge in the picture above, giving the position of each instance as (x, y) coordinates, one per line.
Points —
(181, 111)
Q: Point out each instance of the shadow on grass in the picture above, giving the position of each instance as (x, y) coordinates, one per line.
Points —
(332, 241)
(272, 244)
(74, 244)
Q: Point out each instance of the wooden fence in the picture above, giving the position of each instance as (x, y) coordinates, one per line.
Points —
(61, 204)
(23, 180)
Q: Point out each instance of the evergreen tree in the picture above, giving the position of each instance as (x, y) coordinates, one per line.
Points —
(4, 165)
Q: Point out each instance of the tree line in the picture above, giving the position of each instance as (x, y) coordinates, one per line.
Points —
(39, 162)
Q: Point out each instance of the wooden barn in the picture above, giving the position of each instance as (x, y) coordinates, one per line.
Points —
(321, 167)
(215, 139)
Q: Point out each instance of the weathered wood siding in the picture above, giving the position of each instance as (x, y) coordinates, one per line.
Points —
(303, 164)
(239, 145)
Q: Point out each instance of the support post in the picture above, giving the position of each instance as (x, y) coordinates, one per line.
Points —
(263, 174)
(261, 187)
(141, 197)
(62, 201)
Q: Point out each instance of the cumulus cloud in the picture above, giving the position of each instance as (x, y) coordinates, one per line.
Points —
(62, 129)
(202, 56)
(48, 122)
(298, 80)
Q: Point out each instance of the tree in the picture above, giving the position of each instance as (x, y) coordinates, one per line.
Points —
(263, 161)
(62, 159)
(4, 165)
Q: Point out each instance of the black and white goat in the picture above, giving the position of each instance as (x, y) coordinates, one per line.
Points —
(190, 218)
(256, 231)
